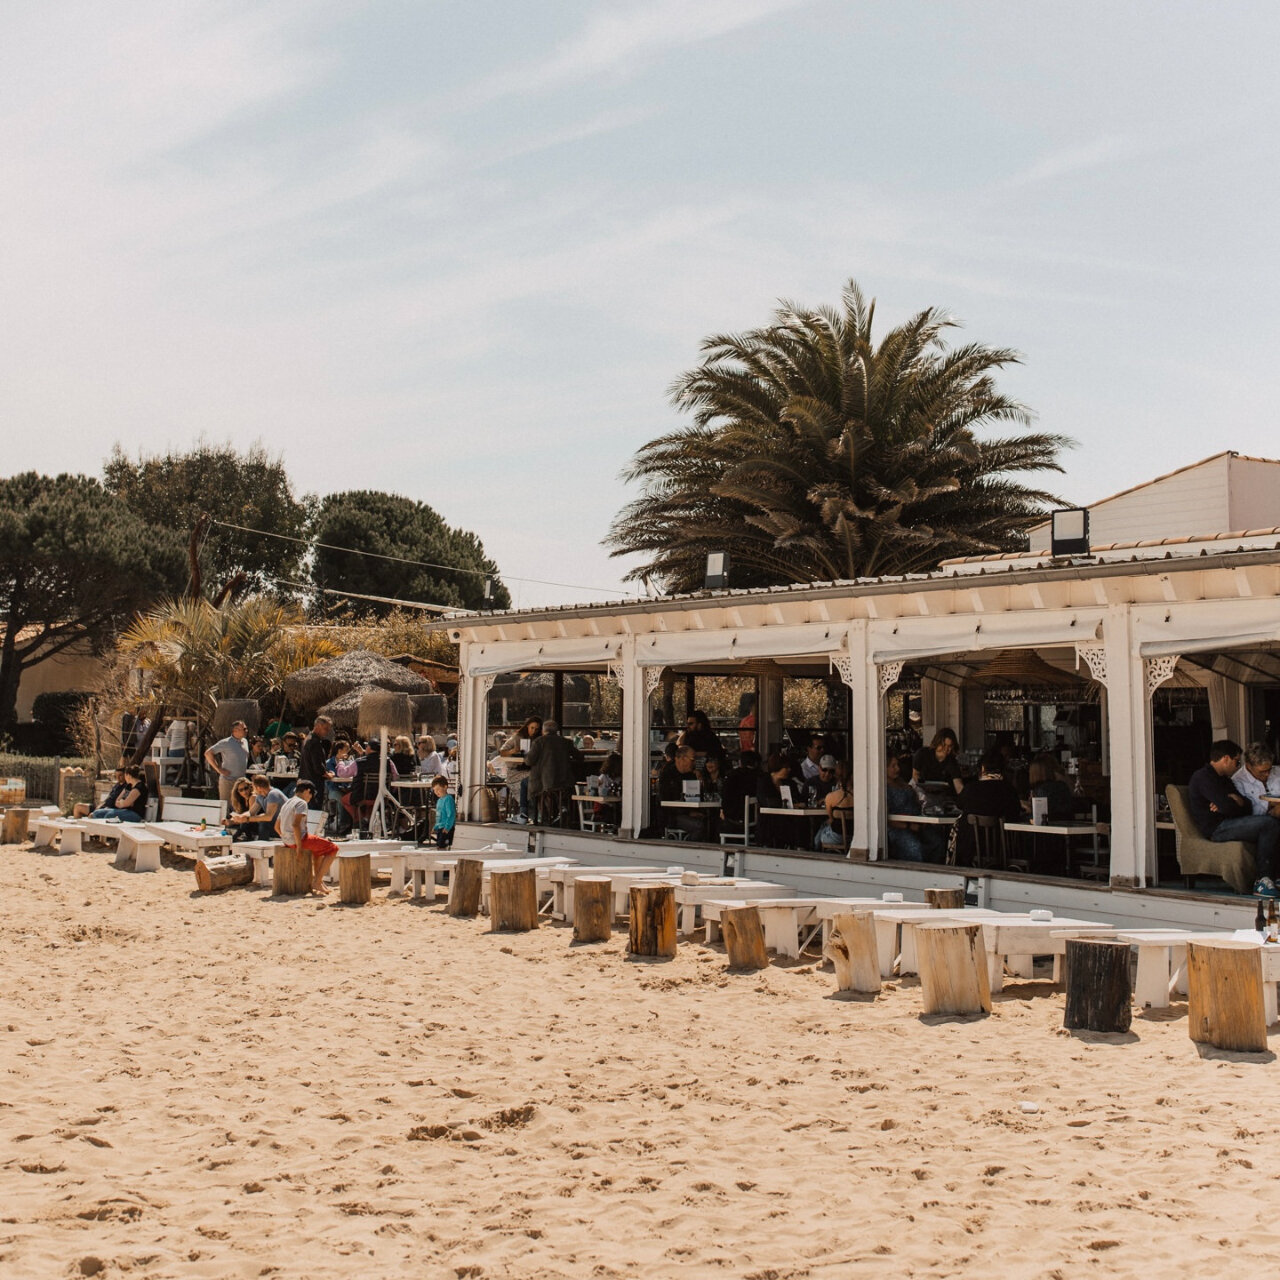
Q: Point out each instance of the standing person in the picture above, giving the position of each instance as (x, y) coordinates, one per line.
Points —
(747, 722)
(515, 752)
(292, 828)
(551, 765)
(740, 784)
(936, 764)
(229, 759)
(314, 756)
(1222, 813)
(446, 813)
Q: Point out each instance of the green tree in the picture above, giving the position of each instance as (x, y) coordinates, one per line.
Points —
(384, 524)
(250, 489)
(74, 566)
(816, 454)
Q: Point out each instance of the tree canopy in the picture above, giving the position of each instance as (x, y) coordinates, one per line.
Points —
(385, 525)
(74, 566)
(816, 454)
(251, 489)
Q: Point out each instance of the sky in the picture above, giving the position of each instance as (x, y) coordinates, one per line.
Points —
(461, 251)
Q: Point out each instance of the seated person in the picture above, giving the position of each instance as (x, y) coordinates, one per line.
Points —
(238, 813)
(774, 830)
(291, 826)
(430, 762)
(259, 755)
(1221, 813)
(83, 810)
(825, 782)
(1046, 781)
(130, 803)
(672, 780)
(264, 810)
(699, 735)
(936, 764)
(989, 796)
(1258, 780)
(712, 777)
(739, 784)
(908, 844)
(811, 762)
(339, 772)
(403, 757)
(838, 802)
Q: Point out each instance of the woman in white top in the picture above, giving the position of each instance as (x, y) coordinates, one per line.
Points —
(430, 761)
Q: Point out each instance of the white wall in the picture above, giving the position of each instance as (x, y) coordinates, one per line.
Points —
(1255, 494)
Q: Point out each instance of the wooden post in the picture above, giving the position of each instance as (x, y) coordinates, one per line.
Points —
(1224, 995)
(465, 882)
(1099, 991)
(852, 948)
(653, 921)
(744, 938)
(15, 826)
(355, 878)
(513, 900)
(953, 968)
(214, 874)
(592, 909)
(291, 871)
(945, 899)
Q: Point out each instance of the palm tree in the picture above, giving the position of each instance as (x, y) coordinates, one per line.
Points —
(816, 455)
(195, 654)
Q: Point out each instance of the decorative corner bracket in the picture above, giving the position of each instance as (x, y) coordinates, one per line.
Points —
(1159, 670)
(1094, 656)
(889, 674)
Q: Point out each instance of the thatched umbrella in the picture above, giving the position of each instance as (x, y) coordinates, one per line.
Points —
(361, 668)
(229, 710)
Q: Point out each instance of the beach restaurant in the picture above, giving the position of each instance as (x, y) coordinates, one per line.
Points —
(1146, 650)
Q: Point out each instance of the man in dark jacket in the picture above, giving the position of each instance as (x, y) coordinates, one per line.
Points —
(552, 768)
(1222, 813)
(316, 751)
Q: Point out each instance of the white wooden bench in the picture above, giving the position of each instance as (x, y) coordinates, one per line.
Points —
(182, 809)
(64, 834)
(136, 846)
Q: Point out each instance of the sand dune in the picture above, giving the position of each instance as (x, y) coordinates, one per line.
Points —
(235, 1086)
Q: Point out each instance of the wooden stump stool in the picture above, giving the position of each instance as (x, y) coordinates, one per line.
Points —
(1224, 995)
(14, 830)
(953, 968)
(513, 900)
(215, 874)
(744, 938)
(592, 909)
(291, 872)
(465, 882)
(852, 949)
(653, 921)
(355, 878)
(1099, 990)
(945, 899)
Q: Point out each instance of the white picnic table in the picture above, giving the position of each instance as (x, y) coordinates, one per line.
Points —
(429, 864)
(790, 923)
(186, 838)
(887, 915)
(689, 897)
(1016, 939)
(68, 833)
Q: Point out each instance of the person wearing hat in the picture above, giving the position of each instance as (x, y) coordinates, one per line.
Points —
(826, 779)
(292, 828)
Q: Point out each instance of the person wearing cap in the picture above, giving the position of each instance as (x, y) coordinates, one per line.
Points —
(825, 782)
(291, 824)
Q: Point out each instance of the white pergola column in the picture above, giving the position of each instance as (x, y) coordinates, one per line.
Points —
(473, 733)
(634, 684)
(864, 758)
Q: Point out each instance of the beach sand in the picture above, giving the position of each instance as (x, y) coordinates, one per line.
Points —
(232, 1085)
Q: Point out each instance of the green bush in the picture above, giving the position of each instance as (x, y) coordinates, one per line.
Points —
(57, 709)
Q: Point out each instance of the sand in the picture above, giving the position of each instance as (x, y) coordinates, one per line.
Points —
(232, 1085)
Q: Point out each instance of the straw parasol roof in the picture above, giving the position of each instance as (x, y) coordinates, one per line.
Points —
(359, 669)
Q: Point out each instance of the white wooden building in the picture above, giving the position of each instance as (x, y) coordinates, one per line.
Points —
(1128, 618)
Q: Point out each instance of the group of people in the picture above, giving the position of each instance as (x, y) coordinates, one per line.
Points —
(541, 767)
(1236, 796)
(934, 783)
(696, 767)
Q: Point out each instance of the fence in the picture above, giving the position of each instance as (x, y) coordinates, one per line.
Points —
(41, 772)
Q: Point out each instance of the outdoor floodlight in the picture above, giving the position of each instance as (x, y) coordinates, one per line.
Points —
(1070, 532)
(717, 570)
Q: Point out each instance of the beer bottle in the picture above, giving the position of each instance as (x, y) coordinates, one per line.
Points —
(1273, 922)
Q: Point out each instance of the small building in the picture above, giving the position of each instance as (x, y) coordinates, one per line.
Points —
(1221, 494)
